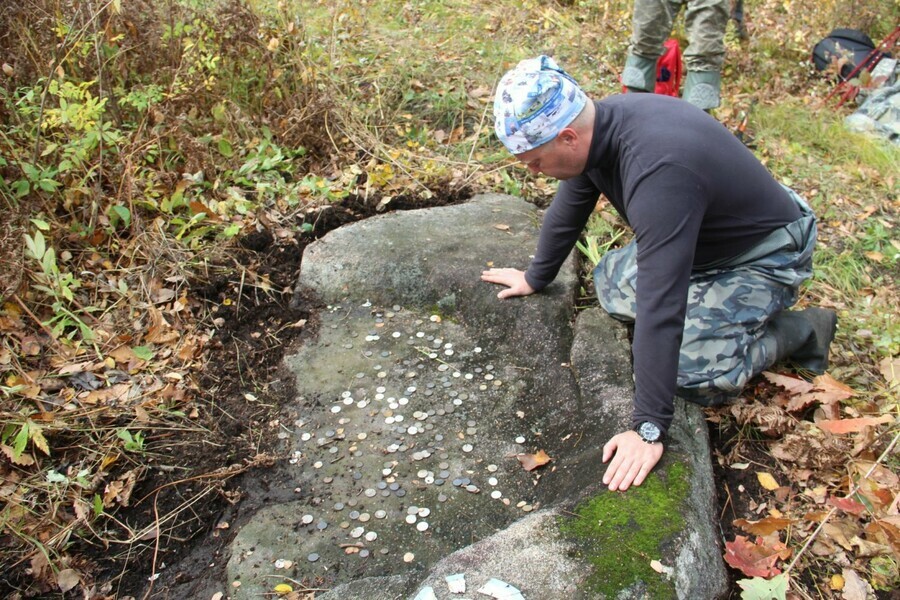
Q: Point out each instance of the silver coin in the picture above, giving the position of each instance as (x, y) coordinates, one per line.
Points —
(371, 536)
(357, 532)
(306, 519)
(380, 514)
(370, 493)
(424, 512)
(364, 517)
(364, 553)
(421, 525)
(496, 494)
(411, 519)
(312, 557)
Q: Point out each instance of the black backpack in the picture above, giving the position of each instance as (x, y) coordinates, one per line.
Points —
(856, 46)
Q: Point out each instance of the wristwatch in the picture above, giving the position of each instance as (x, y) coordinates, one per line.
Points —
(649, 432)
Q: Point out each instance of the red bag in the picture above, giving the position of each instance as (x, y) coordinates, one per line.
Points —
(668, 69)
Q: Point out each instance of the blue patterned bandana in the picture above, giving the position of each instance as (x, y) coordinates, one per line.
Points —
(534, 102)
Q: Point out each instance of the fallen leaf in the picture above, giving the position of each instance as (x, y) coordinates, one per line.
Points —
(67, 579)
(890, 370)
(501, 227)
(763, 527)
(841, 426)
(867, 549)
(841, 531)
(791, 384)
(855, 587)
(886, 532)
(770, 420)
(848, 505)
(755, 560)
(830, 389)
(532, 461)
(767, 481)
(282, 589)
(764, 589)
(657, 566)
(24, 460)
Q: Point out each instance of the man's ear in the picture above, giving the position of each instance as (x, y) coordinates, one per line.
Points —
(567, 136)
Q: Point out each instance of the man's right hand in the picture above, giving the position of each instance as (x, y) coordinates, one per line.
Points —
(513, 279)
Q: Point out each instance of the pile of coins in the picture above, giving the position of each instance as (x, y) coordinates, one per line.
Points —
(379, 459)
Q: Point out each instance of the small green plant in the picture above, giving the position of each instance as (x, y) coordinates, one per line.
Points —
(131, 442)
(16, 435)
(57, 284)
(600, 237)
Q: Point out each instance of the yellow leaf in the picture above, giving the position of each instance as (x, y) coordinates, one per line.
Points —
(767, 481)
(283, 588)
(836, 583)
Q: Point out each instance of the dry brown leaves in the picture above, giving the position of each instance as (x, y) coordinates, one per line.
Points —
(840, 500)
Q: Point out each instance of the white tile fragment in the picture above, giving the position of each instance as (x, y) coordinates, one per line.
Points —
(426, 593)
(500, 590)
(456, 583)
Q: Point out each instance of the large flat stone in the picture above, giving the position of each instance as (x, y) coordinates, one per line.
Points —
(410, 331)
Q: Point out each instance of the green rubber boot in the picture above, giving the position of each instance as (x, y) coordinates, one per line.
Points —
(701, 88)
(639, 74)
(803, 337)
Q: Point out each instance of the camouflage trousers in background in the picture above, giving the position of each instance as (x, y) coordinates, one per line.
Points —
(729, 304)
(704, 22)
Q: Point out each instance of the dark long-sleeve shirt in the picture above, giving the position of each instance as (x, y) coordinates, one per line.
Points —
(694, 196)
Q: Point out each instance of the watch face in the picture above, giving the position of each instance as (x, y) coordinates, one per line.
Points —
(649, 431)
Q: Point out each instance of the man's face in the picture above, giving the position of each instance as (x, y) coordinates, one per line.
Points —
(555, 159)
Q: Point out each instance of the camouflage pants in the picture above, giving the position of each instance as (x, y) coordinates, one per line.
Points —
(704, 21)
(725, 342)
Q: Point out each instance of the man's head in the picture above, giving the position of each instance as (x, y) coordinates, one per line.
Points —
(544, 118)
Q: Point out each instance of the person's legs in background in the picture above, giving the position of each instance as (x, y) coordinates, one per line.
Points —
(705, 22)
(651, 27)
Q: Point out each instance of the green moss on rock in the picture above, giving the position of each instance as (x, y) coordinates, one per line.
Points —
(620, 533)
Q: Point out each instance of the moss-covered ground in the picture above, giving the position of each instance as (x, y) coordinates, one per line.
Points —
(621, 533)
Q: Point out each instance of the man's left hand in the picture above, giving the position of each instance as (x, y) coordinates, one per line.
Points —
(634, 459)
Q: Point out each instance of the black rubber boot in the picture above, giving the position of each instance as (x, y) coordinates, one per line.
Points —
(804, 337)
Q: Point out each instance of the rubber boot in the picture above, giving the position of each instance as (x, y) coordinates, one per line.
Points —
(701, 88)
(803, 337)
(639, 74)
